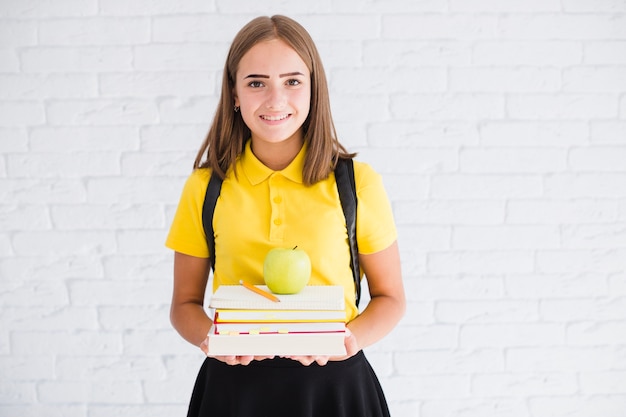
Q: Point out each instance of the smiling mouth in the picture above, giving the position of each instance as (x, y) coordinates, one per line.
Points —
(275, 118)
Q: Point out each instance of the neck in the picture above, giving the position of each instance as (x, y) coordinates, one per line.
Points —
(277, 156)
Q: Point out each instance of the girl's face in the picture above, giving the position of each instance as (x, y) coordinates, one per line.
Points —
(273, 91)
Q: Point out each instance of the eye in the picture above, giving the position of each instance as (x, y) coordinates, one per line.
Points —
(255, 84)
(293, 82)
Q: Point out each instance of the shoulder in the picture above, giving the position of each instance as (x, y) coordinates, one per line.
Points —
(200, 177)
(198, 180)
(365, 175)
(196, 184)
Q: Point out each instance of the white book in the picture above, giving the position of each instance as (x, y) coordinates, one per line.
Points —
(278, 328)
(331, 344)
(312, 297)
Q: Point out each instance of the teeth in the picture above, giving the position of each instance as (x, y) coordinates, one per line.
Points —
(275, 118)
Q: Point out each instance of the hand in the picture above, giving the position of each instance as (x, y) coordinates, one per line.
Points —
(232, 359)
(350, 342)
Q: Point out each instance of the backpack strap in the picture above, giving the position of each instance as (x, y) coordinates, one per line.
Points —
(344, 176)
(210, 200)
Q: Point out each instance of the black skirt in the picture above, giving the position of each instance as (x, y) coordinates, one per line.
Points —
(283, 387)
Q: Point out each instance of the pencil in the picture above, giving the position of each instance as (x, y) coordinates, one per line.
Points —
(260, 291)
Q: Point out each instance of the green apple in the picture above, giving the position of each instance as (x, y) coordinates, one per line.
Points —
(286, 271)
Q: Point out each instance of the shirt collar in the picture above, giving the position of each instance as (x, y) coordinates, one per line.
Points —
(256, 172)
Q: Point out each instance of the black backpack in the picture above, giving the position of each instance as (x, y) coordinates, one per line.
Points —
(344, 175)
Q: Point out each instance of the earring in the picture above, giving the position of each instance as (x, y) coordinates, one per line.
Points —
(236, 108)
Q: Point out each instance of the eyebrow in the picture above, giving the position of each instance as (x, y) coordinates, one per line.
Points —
(288, 74)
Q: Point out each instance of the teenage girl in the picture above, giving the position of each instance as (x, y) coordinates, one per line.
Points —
(274, 144)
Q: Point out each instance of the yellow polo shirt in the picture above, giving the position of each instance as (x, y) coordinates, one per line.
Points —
(259, 209)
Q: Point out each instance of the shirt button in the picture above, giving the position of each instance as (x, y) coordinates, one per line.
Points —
(278, 222)
(278, 200)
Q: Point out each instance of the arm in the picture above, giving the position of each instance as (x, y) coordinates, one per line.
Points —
(387, 304)
(187, 312)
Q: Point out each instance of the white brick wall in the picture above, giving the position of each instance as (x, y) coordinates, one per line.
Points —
(499, 128)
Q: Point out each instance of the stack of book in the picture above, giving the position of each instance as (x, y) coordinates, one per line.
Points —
(311, 322)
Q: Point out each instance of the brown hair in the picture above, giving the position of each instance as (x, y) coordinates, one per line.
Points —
(228, 133)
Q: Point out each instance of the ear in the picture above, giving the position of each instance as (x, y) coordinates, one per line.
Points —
(235, 97)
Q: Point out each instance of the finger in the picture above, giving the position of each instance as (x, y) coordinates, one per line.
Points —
(322, 360)
(245, 360)
(204, 346)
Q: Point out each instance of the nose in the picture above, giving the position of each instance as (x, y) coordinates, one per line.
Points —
(275, 99)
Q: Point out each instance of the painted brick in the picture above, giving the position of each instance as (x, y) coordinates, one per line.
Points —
(186, 110)
(564, 106)
(57, 165)
(29, 87)
(461, 107)
(83, 139)
(605, 52)
(530, 52)
(606, 6)
(21, 113)
(17, 33)
(584, 309)
(609, 406)
(561, 211)
(516, 161)
(562, 26)
(126, 112)
(422, 134)
(64, 342)
(414, 161)
(439, 27)
(35, 410)
(586, 185)
(594, 79)
(156, 84)
(159, 138)
(610, 382)
(494, 6)
(401, 53)
(39, 268)
(106, 217)
(487, 311)
(581, 261)
(505, 237)
(150, 7)
(456, 186)
(192, 28)
(480, 262)
(564, 359)
(8, 60)
(516, 385)
(449, 212)
(76, 59)
(94, 31)
(562, 285)
(598, 159)
(378, 80)
(511, 334)
(452, 361)
(612, 132)
(480, 80)
(42, 9)
(470, 407)
(536, 134)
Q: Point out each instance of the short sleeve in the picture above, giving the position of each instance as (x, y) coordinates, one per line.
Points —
(186, 233)
(376, 229)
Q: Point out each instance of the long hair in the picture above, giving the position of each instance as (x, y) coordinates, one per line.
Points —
(228, 133)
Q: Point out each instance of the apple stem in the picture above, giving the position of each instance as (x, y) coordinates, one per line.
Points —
(294, 248)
